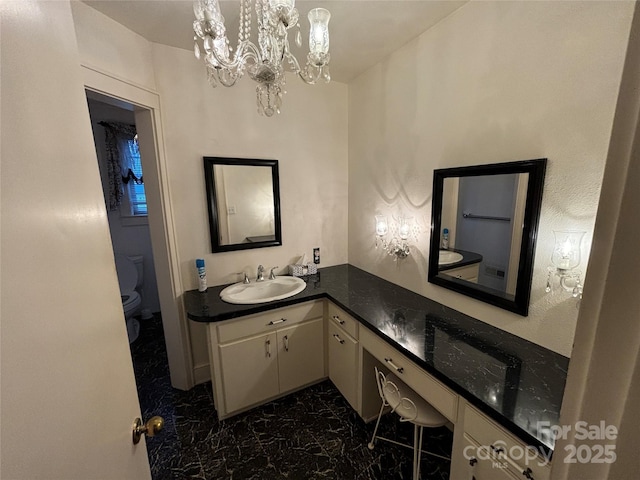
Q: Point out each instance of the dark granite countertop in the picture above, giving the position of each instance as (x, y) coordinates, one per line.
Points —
(517, 383)
(468, 258)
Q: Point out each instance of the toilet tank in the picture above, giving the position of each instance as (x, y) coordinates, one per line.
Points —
(138, 261)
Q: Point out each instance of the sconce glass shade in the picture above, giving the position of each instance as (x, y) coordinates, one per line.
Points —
(382, 226)
(566, 253)
(404, 227)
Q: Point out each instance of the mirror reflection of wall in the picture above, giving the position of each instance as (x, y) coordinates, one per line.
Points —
(484, 215)
(243, 200)
(245, 203)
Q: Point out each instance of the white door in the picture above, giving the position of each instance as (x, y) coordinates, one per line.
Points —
(68, 390)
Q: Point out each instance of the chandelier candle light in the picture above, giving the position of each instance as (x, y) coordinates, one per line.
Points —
(266, 61)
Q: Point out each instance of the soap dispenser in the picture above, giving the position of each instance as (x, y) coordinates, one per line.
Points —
(445, 239)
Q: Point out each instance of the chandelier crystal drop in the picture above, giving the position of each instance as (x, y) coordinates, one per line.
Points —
(267, 60)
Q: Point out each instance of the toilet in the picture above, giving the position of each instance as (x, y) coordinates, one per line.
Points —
(130, 276)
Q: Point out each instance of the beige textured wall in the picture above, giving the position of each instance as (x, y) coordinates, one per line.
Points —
(112, 47)
(493, 82)
(309, 139)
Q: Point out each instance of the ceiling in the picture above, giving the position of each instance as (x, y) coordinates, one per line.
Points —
(362, 32)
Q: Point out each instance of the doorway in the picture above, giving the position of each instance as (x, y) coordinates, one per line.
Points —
(127, 210)
(146, 110)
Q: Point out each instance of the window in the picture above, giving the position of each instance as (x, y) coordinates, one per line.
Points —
(134, 188)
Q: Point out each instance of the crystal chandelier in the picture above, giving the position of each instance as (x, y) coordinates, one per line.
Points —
(267, 60)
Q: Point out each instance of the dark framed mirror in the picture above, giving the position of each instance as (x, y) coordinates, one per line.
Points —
(243, 199)
(484, 224)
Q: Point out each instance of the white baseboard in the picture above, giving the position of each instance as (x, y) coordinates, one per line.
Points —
(201, 373)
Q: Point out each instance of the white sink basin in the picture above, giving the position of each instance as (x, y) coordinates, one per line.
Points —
(262, 292)
(447, 257)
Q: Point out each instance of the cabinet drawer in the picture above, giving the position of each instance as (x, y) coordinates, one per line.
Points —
(268, 321)
(443, 399)
(491, 436)
(344, 320)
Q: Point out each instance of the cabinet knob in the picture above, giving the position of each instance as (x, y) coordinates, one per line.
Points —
(337, 319)
(497, 450)
(338, 339)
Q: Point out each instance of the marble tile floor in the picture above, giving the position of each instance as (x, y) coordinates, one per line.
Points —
(311, 434)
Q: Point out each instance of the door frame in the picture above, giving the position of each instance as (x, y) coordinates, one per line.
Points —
(161, 220)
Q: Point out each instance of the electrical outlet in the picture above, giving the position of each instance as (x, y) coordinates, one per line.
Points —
(316, 255)
(231, 210)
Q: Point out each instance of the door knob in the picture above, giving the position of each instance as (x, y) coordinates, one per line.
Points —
(152, 427)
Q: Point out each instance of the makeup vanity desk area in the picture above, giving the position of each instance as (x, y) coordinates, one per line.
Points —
(500, 392)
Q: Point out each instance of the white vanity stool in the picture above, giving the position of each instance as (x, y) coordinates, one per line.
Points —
(411, 408)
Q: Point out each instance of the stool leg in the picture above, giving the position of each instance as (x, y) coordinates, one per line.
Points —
(415, 452)
(419, 454)
(375, 430)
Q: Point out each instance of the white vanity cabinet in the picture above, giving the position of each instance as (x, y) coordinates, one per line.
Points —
(260, 357)
(342, 341)
(491, 453)
(468, 272)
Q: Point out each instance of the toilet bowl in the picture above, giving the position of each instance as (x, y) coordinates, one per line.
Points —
(130, 279)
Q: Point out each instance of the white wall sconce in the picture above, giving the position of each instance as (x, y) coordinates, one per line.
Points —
(565, 258)
(400, 230)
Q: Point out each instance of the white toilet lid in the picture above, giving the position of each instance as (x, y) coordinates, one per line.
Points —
(127, 274)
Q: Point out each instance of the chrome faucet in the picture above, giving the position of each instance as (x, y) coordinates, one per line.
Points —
(246, 277)
(260, 274)
(272, 276)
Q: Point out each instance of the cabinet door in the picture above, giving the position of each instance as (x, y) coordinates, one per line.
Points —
(250, 371)
(481, 466)
(468, 273)
(300, 354)
(343, 363)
